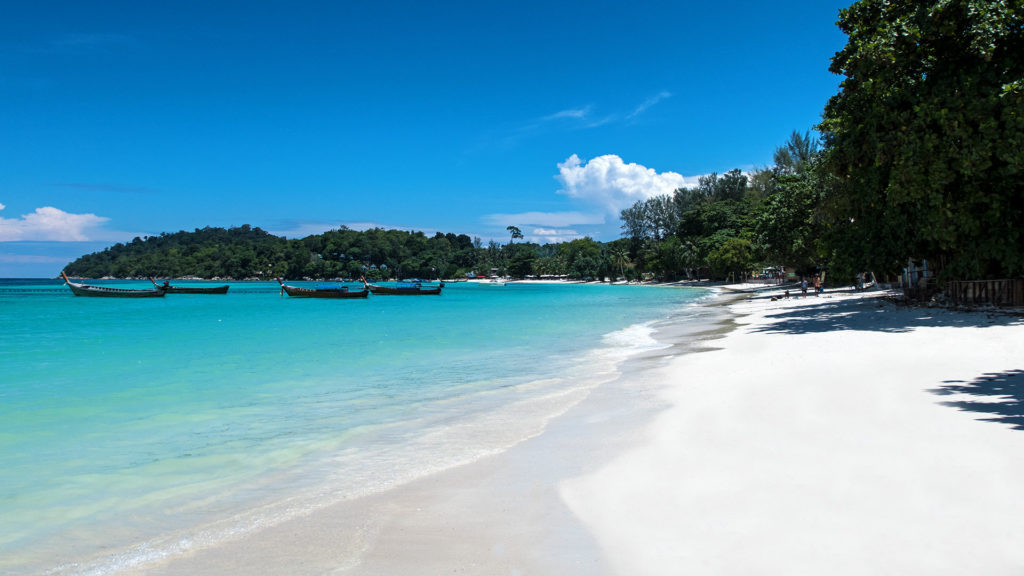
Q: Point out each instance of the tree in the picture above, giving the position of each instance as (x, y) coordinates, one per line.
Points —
(582, 257)
(926, 135)
(691, 258)
(521, 259)
(670, 258)
(732, 256)
(620, 258)
(796, 153)
(515, 233)
(635, 224)
(788, 227)
(585, 267)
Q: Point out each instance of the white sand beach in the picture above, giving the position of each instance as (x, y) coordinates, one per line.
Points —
(831, 435)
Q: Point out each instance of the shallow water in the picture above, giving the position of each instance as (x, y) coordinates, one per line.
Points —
(133, 429)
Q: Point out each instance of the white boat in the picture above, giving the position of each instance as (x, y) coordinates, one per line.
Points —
(493, 279)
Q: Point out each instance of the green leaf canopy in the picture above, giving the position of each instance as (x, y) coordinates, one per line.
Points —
(926, 135)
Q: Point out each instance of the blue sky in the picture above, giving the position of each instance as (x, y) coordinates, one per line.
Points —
(123, 119)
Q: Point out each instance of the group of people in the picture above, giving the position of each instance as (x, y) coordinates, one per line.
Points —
(818, 289)
(817, 286)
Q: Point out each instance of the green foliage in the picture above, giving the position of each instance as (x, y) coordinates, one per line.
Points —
(247, 252)
(923, 158)
(788, 229)
(731, 256)
(618, 253)
(673, 235)
(237, 252)
(584, 258)
(521, 259)
(796, 153)
(927, 135)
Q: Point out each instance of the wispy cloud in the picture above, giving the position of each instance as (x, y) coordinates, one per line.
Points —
(8, 258)
(577, 118)
(569, 118)
(548, 227)
(571, 113)
(552, 235)
(648, 103)
(553, 219)
(298, 228)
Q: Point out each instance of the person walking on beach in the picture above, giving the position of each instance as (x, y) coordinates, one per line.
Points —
(803, 287)
(817, 285)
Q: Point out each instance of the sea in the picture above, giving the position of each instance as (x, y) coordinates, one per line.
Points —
(134, 430)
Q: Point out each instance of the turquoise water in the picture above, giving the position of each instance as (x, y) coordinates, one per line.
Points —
(132, 429)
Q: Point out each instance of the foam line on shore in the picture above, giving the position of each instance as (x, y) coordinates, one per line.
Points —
(360, 508)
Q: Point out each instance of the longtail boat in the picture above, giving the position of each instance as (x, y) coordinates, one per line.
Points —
(109, 291)
(191, 289)
(321, 291)
(403, 289)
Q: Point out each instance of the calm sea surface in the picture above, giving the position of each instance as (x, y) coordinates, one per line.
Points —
(132, 429)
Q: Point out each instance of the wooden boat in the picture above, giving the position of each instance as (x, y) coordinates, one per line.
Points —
(403, 289)
(321, 292)
(191, 289)
(109, 291)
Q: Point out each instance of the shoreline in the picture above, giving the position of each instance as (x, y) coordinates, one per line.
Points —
(829, 435)
(232, 415)
(800, 436)
(499, 513)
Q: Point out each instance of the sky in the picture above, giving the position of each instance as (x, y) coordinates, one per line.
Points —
(132, 118)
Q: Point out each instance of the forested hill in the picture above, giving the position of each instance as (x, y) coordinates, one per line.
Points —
(246, 252)
(250, 252)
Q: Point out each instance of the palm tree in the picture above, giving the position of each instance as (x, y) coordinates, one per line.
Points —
(620, 258)
(690, 255)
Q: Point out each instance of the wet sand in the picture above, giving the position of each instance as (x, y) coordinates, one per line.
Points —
(833, 435)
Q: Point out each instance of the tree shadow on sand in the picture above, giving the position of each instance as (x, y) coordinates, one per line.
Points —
(1000, 394)
(874, 315)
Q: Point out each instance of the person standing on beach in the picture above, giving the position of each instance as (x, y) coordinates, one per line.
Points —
(803, 287)
(817, 285)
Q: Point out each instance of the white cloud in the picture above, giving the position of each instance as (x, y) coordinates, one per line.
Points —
(601, 189)
(552, 235)
(552, 219)
(612, 185)
(50, 224)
